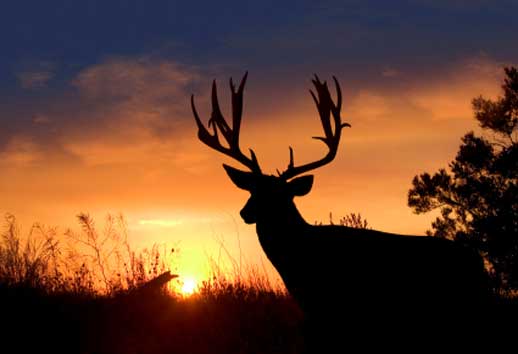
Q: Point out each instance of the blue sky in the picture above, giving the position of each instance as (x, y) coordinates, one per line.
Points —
(65, 36)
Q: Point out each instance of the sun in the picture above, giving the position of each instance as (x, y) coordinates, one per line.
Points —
(189, 285)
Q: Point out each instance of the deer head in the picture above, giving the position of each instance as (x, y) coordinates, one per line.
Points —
(271, 195)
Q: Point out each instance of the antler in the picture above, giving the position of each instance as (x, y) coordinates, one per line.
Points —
(218, 123)
(326, 107)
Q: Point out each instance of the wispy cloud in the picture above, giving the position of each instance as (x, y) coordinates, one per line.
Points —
(20, 151)
(122, 109)
(142, 94)
(34, 79)
(390, 72)
(449, 94)
(141, 79)
(160, 222)
(41, 119)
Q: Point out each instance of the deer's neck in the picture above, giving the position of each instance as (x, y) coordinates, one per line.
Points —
(280, 223)
(279, 233)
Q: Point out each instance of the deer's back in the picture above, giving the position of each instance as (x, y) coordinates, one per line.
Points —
(328, 264)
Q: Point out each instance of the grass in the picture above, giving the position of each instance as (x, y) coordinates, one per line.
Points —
(89, 292)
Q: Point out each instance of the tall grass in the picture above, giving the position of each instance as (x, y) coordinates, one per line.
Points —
(100, 260)
(89, 261)
(35, 262)
(87, 291)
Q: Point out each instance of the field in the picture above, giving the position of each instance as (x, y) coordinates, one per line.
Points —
(55, 300)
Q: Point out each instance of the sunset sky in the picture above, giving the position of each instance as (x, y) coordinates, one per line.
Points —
(95, 114)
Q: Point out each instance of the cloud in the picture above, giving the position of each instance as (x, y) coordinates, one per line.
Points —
(142, 109)
(34, 79)
(449, 94)
(137, 79)
(117, 110)
(141, 93)
(369, 105)
(41, 119)
(129, 111)
(390, 72)
(20, 151)
(441, 94)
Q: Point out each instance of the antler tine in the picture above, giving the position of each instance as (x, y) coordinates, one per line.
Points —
(237, 106)
(218, 122)
(326, 107)
(216, 118)
(338, 95)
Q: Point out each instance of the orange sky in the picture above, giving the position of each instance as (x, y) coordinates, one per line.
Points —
(132, 148)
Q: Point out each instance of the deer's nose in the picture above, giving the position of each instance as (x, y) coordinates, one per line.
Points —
(247, 215)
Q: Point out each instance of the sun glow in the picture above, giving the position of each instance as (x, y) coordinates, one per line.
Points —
(160, 222)
(189, 285)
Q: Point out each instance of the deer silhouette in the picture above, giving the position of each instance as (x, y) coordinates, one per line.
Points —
(381, 275)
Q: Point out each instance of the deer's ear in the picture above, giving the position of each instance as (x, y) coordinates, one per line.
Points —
(301, 185)
(242, 179)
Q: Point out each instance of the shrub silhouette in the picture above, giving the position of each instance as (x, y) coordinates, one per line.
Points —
(478, 196)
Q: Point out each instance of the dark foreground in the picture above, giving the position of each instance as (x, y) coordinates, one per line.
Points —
(222, 319)
(230, 319)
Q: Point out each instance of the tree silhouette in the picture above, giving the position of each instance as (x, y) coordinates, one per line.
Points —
(478, 195)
